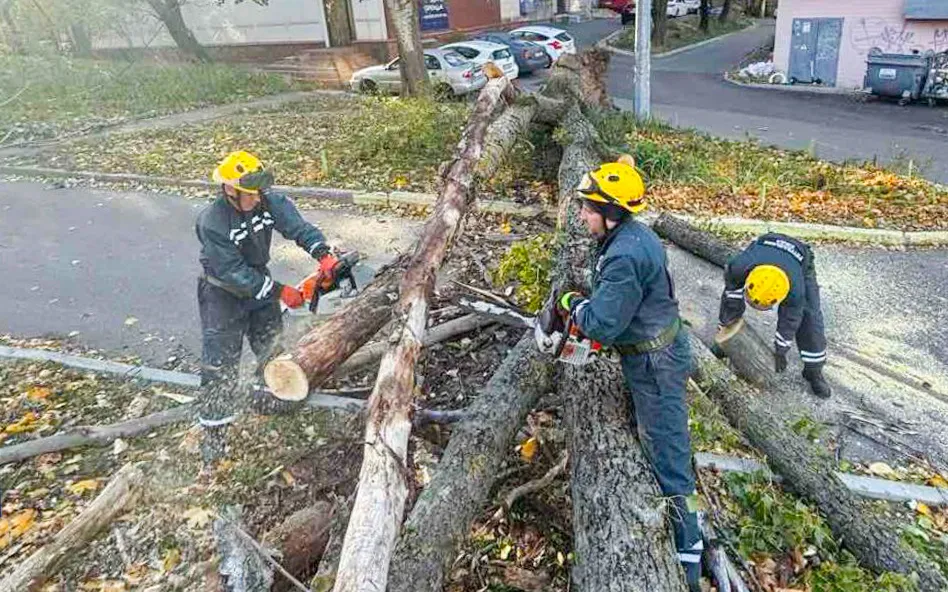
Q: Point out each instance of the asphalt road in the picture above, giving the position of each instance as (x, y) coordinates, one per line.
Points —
(88, 261)
(688, 90)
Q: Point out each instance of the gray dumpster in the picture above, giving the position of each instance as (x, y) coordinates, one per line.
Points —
(896, 75)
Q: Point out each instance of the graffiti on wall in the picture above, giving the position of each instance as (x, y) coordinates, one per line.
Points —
(895, 37)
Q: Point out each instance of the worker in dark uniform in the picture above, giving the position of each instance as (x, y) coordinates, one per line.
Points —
(633, 309)
(236, 294)
(778, 270)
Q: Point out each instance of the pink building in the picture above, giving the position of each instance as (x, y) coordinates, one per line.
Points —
(828, 40)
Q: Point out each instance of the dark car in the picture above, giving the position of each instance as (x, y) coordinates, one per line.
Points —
(529, 56)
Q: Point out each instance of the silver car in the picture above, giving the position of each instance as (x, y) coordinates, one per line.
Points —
(450, 75)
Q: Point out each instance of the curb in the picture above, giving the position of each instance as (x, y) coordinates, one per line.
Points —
(341, 196)
(604, 43)
(816, 90)
(806, 230)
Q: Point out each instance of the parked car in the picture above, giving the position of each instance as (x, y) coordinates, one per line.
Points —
(676, 8)
(628, 14)
(616, 5)
(693, 6)
(528, 55)
(556, 42)
(481, 52)
(449, 72)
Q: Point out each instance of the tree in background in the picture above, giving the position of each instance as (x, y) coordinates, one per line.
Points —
(725, 10)
(704, 11)
(659, 22)
(169, 11)
(411, 62)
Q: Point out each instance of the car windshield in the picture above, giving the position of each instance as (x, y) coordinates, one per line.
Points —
(453, 58)
(501, 54)
(564, 37)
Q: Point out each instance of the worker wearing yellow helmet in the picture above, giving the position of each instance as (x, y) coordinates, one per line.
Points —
(633, 310)
(237, 296)
(778, 271)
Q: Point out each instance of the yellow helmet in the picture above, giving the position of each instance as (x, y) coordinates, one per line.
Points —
(766, 286)
(244, 171)
(616, 183)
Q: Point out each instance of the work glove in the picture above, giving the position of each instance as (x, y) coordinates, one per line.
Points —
(291, 297)
(780, 360)
(326, 269)
(567, 301)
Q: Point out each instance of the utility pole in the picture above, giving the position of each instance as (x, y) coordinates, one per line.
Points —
(643, 59)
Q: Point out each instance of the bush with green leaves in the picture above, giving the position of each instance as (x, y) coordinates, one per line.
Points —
(528, 264)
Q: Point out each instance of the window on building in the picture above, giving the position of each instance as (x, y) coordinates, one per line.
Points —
(926, 9)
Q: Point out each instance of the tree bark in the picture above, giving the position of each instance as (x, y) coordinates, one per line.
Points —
(411, 63)
(169, 11)
(81, 41)
(809, 470)
(300, 541)
(11, 34)
(622, 540)
(340, 22)
(119, 495)
(659, 22)
(725, 11)
(750, 355)
(705, 22)
(467, 471)
(384, 482)
(695, 241)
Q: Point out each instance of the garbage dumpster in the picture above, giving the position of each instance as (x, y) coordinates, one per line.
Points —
(936, 87)
(896, 75)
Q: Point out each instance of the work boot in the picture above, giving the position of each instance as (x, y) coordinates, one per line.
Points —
(213, 445)
(818, 384)
(688, 539)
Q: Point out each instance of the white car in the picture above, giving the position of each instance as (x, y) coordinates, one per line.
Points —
(693, 6)
(676, 8)
(481, 52)
(448, 72)
(556, 42)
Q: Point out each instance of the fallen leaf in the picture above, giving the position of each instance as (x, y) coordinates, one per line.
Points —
(171, 559)
(528, 449)
(923, 509)
(198, 517)
(15, 526)
(289, 478)
(505, 551)
(937, 481)
(25, 424)
(882, 470)
(80, 487)
(130, 321)
(38, 393)
(119, 446)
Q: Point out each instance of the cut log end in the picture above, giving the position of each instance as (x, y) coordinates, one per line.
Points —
(286, 379)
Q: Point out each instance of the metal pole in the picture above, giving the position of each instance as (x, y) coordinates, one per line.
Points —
(643, 59)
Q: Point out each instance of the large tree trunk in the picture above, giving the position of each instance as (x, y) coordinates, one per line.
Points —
(404, 19)
(11, 33)
(659, 22)
(695, 241)
(809, 470)
(704, 23)
(384, 480)
(725, 10)
(169, 11)
(340, 22)
(122, 492)
(467, 472)
(622, 540)
(300, 541)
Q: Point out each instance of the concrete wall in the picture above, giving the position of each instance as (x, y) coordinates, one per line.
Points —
(247, 23)
(866, 24)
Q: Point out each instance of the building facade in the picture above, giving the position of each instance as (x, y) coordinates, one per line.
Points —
(818, 40)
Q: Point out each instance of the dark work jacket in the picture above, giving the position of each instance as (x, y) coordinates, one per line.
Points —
(633, 297)
(235, 246)
(787, 253)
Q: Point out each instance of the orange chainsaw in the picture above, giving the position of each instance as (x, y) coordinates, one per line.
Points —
(334, 273)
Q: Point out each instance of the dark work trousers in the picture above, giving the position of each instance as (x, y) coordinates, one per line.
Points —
(811, 337)
(657, 381)
(225, 320)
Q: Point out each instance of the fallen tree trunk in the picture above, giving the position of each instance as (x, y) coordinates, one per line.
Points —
(750, 355)
(694, 240)
(371, 354)
(461, 487)
(300, 541)
(809, 470)
(622, 539)
(384, 480)
(118, 496)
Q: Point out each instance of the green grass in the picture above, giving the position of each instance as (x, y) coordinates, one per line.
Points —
(696, 173)
(375, 143)
(684, 31)
(61, 94)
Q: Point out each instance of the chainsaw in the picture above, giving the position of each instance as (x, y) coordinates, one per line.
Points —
(324, 281)
(554, 333)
